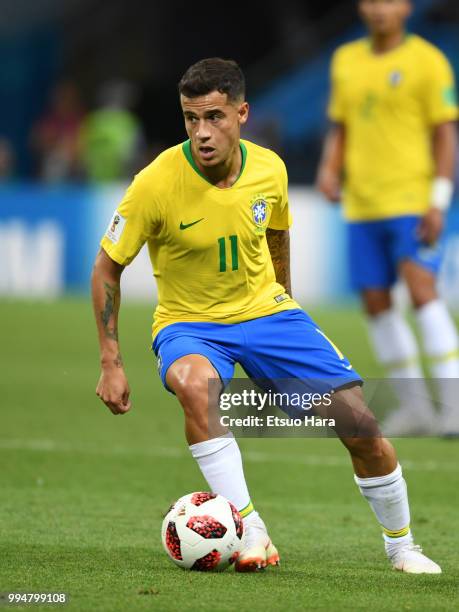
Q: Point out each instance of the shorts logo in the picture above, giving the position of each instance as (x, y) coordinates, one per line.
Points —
(115, 227)
(429, 254)
(159, 364)
(259, 211)
(395, 78)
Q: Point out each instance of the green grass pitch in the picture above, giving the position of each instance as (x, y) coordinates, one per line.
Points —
(83, 492)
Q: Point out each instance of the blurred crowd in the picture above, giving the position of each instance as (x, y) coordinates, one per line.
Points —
(70, 142)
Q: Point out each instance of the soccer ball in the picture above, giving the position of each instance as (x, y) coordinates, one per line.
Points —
(202, 531)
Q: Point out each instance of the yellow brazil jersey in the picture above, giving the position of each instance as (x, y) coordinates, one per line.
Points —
(207, 245)
(389, 104)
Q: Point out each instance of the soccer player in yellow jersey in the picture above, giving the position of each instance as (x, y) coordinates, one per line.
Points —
(214, 213)
(393, 104)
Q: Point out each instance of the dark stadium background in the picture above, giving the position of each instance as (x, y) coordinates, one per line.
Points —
(83, 493)
(151, 43)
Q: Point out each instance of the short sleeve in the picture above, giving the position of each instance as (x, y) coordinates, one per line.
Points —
(336, 106)
(281, 218)
(134, 221)
(440, 91)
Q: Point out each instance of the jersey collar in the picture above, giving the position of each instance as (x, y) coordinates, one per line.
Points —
(186, 147)
(403, 42)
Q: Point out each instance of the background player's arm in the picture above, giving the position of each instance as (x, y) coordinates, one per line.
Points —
(444, 143)
(113, 387)
(279, 248)
(332, 163)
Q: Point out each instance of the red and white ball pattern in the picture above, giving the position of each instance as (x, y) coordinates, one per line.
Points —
(202, 531)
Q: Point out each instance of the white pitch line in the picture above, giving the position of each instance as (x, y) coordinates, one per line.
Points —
(62, 447)
(330, 461)
(170, 452)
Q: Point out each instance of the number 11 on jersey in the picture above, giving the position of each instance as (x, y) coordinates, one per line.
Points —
(234, 253)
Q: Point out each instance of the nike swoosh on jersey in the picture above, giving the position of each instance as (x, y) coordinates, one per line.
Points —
(184, 226)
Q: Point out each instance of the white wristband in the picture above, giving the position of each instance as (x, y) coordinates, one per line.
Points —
(442, 193)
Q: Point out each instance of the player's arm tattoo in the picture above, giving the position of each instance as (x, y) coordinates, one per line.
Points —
(118, 361)
(279, 247)
(110, 311)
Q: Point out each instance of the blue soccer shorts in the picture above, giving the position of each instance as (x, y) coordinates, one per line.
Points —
(286, 345)
(377, 247)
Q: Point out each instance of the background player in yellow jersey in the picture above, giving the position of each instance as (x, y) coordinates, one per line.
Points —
(393, 142)
(214, 212)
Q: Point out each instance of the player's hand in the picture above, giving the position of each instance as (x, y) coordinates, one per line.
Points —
(329, 184)
(113, 389)
(431, 226)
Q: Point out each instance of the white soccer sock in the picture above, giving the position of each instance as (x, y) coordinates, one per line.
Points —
(395, 345)
(388, 498)
(396, 348)
(221, 465)
(440, 339)
(441, 345)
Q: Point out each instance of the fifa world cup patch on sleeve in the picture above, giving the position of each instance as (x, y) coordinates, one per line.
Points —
(450, 96)
(115, 227)
(281, 298)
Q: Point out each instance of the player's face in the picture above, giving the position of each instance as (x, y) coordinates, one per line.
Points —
(384, 16)
(213, 124)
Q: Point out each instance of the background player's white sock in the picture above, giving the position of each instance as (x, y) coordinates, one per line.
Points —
(395, 344)
(396, 348)
(221, 465)
(388, 497)
(440, 339)
(441, 345)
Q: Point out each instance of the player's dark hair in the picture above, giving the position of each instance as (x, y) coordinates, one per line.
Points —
(213, 74)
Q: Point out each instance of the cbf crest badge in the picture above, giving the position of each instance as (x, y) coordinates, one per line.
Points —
(395, 78)
(259, 208)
